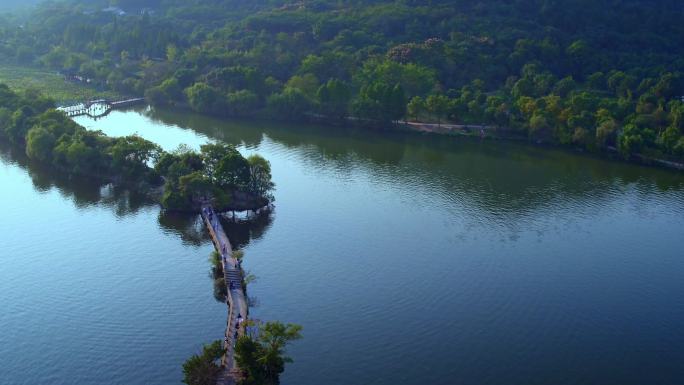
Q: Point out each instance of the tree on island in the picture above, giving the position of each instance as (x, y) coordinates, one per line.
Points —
(262, 357)
(260, 183)
(203, 369)
(217, 173)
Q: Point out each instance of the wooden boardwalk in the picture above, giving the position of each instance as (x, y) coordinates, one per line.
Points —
(98, 108)
(235, 298)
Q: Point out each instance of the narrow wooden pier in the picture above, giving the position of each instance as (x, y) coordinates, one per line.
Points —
(235, 298)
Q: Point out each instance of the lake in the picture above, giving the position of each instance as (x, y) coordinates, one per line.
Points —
(408, 259)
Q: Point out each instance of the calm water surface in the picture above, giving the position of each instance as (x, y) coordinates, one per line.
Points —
(407, 259)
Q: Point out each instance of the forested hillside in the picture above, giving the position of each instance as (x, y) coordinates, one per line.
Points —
(583, 73)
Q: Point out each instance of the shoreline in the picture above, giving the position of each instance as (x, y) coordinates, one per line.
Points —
(472, 131)
(611, 153)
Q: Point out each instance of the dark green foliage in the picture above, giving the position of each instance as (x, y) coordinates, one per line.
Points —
(437, 106)
(291, 104)
(539, 69)
(260, 182)
(39, 144)
(262, 358)
(333, 98)
(202, 369)
(190, 178)
(416, 108)
(131, 156)
(381, 103)
(205, 98)
(166, 93)
(241, 103)
(225, 166)
(232, 170)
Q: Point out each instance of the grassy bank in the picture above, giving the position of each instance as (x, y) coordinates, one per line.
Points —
(51, 84)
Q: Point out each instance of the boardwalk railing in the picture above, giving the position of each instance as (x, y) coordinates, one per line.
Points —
(235, 294)
(98, 108)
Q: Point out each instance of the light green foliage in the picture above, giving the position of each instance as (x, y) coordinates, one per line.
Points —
(167, 92)
(262, 358)
(51, 84)
(540, 129)
(131, 155)
(39, 144)
(415, 80)
(416, 107)
(381, 103)
(630, 141)
(19, 124)
(260, 182)
(171, 52)
(438, 106)
(307, 83)
(232, 170)
(211, 154)
(195, 186)
(291, 104)
(204, 98)
(211, 175)
(241, 103)
(605, 132)
(333, 98)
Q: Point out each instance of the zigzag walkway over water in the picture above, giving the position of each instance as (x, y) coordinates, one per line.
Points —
(98, 108)
(235, 298)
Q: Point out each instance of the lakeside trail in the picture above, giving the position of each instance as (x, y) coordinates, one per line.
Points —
(448, 128)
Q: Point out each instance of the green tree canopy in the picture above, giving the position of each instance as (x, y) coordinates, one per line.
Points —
(202, 368)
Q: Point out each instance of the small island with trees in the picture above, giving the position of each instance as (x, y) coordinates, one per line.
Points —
(605, 78)
(181, 180)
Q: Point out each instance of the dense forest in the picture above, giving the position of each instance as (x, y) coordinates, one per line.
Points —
(589, 74)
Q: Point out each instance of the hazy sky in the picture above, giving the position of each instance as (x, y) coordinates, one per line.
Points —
(7, 4)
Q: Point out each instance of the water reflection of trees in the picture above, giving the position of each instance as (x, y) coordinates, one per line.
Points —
(241, 232)
(494, 176)
(505, 166)
(83, 191)
(86, 192)
(189, 228)
(232, 132)
(501, 179)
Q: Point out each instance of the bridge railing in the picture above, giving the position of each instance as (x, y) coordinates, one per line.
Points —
(227, 360)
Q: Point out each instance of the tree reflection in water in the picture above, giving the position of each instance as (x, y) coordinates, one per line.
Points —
(88, 192)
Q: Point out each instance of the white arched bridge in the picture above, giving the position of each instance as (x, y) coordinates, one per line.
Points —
(98, 108)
